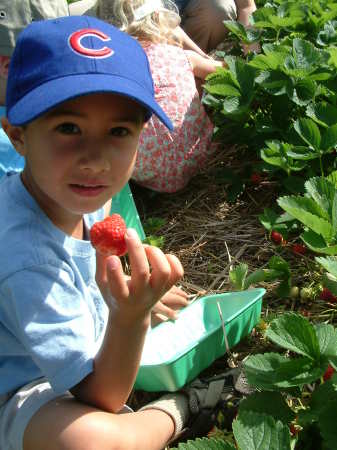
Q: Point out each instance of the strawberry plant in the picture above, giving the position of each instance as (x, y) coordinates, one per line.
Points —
(329, 279)
(295, 404)
(316, 210)
(278, 269)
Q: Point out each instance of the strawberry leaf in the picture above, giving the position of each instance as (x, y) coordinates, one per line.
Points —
(309, 132)
(293, 332)
(272, 371)
(237, 276)
(327, 423)
(256, 431)
(271, 403)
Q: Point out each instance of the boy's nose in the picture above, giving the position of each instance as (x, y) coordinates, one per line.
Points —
(95, 161)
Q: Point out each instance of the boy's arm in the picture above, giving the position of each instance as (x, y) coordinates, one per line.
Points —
(130, 302)
(202, 66)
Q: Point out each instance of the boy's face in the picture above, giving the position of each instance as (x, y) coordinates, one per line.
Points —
(4, 66)
(80, 154)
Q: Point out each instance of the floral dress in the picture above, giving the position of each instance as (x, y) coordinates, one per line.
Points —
(167, 160)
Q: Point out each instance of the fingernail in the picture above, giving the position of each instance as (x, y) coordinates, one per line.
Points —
(131, 233)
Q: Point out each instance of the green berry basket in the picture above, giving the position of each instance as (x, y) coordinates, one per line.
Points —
(123, 204)
(175, 352)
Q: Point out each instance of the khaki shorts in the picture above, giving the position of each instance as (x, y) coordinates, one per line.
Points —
(17, 411)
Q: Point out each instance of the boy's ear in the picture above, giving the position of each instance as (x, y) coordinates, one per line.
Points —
(15, 135)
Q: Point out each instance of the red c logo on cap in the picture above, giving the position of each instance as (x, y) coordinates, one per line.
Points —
(76, 44)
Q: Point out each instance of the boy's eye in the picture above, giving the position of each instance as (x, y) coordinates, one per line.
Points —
(119, 131)
(68, 128)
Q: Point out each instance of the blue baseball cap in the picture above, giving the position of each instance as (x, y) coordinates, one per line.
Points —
(59, 59)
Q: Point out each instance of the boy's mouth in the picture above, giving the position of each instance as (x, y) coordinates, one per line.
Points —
(87, 190)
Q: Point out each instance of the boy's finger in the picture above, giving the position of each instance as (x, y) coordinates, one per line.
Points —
(140, 269)
(179, 292)
(177, 270)
(160, 308)
(160, 270)
(116, 278)
(101, 275)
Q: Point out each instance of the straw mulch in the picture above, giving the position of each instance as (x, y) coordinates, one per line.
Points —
(210, 234)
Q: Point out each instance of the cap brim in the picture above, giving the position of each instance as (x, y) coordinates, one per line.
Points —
(47, 96)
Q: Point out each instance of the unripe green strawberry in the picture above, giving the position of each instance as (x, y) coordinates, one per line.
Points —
(107, 236)
(294, 292)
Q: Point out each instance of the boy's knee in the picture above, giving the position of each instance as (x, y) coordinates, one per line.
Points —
(104, 434)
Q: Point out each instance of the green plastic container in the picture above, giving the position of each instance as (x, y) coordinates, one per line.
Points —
(123, 204)
(175, 352)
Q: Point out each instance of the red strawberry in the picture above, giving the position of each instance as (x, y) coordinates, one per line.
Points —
(328, 296)
(276, 237)
(255, 178)
(328, 373)
(293, 429)
(107, 236)
(298, 249)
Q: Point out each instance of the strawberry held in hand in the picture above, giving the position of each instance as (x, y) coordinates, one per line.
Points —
(107, 236)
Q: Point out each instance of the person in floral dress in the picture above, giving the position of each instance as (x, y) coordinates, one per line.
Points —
(167, 160)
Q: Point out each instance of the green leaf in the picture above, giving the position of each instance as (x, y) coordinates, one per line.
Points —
(205, 443)
(222, 89)
(244, 74)
(280, 264)
(303, 91)
(268, 218)
(322, 191)
(307, 56)
(263, 275)
(309, 132)
(272, 371)
(293, 332)
(275, 82)
(323, 113)
(237, 276)
(254, 431)
(327, 339)
(305, 210)
(329, 138)
(322, 395)
(268, 402)
(317, 244)
(327, 423)
(329, 263)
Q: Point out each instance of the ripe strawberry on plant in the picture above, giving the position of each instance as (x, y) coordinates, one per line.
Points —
(107, 236)
(298, 249)
(328, 296)
(328, 373)
(255, 178)
(276, 237)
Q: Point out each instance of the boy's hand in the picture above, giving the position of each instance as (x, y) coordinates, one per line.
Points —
(168, 305)
(152, 275)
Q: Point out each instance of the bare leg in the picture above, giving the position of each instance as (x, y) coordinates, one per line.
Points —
(65, 424)
(202, 21)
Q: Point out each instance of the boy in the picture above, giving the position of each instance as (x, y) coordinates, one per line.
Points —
(70, 346)
(15, 15)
